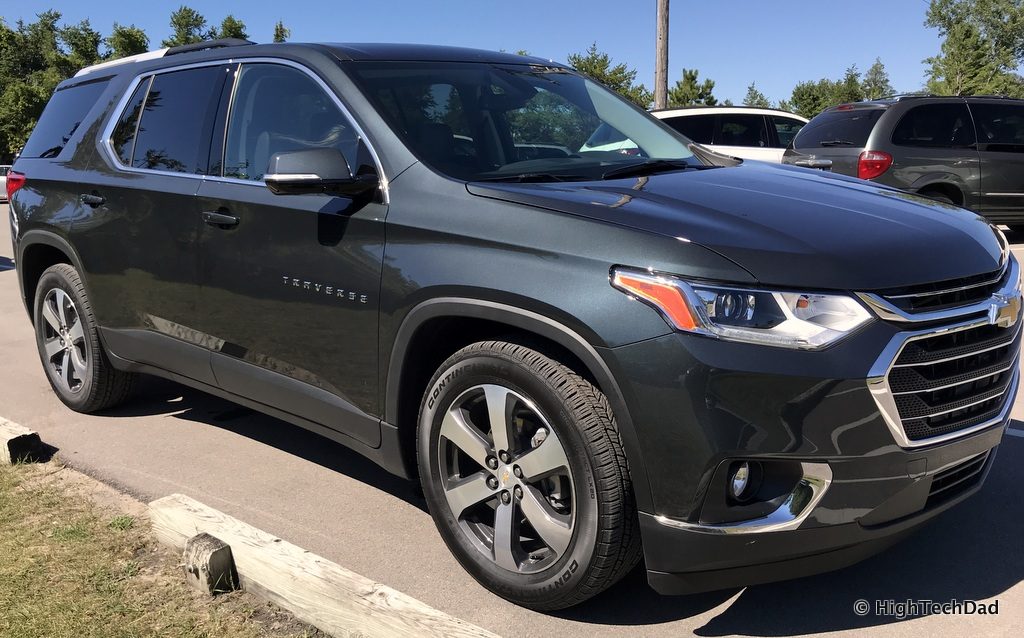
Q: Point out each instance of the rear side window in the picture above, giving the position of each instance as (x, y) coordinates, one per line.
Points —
(62, 117)
(838, 128)
(1000, 127)
(699, 128)
(741, 130)
(786, 129)
(174, 132)
(935, 126)
(276, 109)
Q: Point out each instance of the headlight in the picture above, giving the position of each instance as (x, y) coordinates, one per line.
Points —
(786, 319)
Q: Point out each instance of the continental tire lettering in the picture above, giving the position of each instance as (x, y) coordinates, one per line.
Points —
(564, 578)
(440, 386)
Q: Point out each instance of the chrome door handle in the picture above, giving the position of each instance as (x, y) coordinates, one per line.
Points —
(221, 220)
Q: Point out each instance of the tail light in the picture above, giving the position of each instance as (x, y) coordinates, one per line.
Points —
(871, 164)
(14, 182)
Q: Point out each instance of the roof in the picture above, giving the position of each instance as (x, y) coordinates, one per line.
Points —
(692, 110)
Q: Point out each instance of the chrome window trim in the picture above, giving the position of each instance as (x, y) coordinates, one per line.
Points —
(817, 477)
(889, 312)
(107, 147)
(878, 385)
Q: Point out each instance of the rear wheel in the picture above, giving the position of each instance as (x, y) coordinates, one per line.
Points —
(938, 196)
(69, 346)
(523, 470)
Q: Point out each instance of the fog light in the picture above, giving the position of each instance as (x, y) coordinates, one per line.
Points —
(743, 481)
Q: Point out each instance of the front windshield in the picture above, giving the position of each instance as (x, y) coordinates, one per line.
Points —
(478, 121)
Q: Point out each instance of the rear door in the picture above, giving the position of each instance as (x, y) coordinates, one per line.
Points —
(838, 136)
(290, 285)
(142, 235)
(1001, 147)
(744, 135)
(935, 143)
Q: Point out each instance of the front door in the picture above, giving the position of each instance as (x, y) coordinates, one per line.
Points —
(289, 283)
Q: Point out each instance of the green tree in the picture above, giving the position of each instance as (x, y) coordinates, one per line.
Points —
(876, 83)
(126, 40)
(784, 105)
(999, 24)
(281, 32)
(755, 97)
(232, 27)
(689, 91)
(618, 77)
(810, 98)
(983, 44)
(728, 102)
(188, 26)
(849, 89)
(963, 66)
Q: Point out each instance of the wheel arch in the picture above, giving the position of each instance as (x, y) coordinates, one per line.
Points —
(37, 251)
(943, 184)
(461, 321)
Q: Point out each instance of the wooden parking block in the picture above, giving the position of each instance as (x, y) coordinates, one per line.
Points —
(17, 443)
(209, 565)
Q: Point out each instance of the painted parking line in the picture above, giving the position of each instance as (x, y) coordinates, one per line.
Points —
(1013, 432)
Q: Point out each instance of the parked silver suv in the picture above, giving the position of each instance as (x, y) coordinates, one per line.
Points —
(968, 151)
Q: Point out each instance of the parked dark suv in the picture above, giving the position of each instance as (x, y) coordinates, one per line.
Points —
(742, 372)
(967, 151)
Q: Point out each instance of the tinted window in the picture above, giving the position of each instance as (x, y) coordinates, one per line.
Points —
(741, 130)
(699, 128)
(1000, 126)
(123, 138)
(4, 170)
(278, 108)
(838, 128)
(935, 126)
(174, 132)
(61, 118)
(786, 129)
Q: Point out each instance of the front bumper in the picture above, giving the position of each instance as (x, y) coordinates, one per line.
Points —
(698, 404)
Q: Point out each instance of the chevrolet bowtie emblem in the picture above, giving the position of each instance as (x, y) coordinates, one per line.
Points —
(1005, 311)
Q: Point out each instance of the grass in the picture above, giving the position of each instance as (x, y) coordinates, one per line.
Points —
(69, 569)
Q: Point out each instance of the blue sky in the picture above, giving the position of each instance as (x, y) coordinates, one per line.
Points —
(734, 42)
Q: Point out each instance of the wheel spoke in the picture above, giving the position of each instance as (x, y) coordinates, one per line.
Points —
(466, 437)
(76, 332)
(467, 493)
(52, 348)
(544, 460)
(78, 360)
(50, 315)
(61, 298)
(65, 370)
(498, 406)
(506, 536)
(554, 528)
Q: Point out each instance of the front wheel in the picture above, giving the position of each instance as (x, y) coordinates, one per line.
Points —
(525, 477)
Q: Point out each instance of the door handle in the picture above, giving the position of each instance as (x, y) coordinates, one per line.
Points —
(219, 219)
(91, 200)
(821, 164)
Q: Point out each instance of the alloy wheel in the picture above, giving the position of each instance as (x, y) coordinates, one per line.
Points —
(64, 340)
(506, 478)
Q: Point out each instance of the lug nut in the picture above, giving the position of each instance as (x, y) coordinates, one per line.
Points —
(518, 472)
(492, 482)
(518, 492)
(492, 462)
(503, 455)
(505, 498)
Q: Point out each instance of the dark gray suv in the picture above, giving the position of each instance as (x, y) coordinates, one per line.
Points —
(967, 151)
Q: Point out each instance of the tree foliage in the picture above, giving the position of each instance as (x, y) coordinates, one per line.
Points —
(618, 77)
(281, 32)
(126, 40)
(690, 91)
(188, 26)
(876, 83)
(983, 43)
(755, 97)
(232, 27)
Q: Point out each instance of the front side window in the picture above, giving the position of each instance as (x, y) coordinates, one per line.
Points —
(935, 126)
(278, 108)
(173, 134)
(741, 130)
(786, 129)
(482, 121)
(1000, 126)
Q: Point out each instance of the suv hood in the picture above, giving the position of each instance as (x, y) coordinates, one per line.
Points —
(787, 226)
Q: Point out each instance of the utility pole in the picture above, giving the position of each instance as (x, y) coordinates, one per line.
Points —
(661, 58)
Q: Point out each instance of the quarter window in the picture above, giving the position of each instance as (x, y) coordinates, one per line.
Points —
(63, 114)
(935, 126)
(277, 108)
(786, 129)
(174, 133)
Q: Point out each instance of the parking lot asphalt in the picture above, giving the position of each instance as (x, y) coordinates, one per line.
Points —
(328, 500)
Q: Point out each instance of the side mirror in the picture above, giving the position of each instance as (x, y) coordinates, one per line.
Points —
(314, 171)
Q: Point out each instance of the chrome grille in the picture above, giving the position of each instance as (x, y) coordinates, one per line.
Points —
(943, 295)
(953, 380)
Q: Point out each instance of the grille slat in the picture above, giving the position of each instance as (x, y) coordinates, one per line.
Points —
(950, 482)
(947, 294)
(953, 380)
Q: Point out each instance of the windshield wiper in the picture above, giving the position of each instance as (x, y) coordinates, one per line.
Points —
(649, 167)
(837, 143)
(534, 177)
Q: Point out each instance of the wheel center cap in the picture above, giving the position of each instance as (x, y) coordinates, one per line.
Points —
(505, 475)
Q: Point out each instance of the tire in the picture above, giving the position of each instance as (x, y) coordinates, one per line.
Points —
(566, 519)
(69, 346)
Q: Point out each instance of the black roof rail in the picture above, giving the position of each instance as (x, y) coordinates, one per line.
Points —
(208, 44)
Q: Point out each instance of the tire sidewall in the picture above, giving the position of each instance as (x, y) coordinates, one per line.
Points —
(459, 374)
(50, 280)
